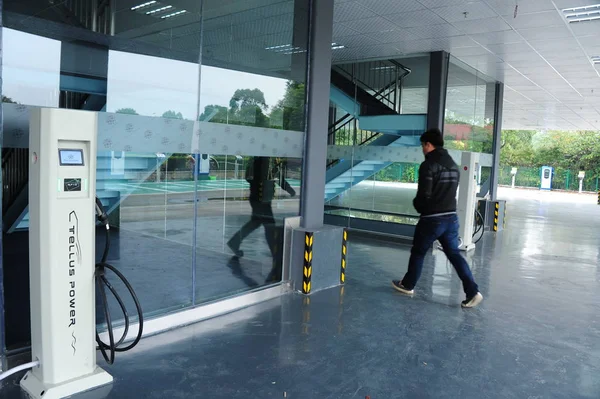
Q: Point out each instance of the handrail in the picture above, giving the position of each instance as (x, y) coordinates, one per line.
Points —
(357, 80)
(380, 95)
(334, 124)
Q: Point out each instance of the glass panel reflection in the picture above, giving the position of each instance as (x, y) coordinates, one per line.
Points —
(366, 175)
(469, 117)
(175, 138)
(247, 143)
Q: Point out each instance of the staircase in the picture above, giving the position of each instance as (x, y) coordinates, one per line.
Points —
(368, 94)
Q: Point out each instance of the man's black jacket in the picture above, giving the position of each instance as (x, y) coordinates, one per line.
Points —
(438, 182)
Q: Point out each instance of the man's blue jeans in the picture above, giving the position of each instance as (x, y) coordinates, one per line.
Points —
(445, 230)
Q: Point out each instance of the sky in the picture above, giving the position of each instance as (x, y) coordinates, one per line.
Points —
(150, 85)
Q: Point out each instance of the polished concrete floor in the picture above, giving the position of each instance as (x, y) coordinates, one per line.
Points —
(536, 335)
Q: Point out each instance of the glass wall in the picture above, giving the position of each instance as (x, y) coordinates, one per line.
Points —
(374, 149)
(469, 118)
(200, 138)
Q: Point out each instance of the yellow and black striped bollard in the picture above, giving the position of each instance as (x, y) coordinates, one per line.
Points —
(307, 268)
(344, 253)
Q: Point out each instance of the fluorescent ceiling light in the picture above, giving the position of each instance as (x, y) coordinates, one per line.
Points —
(288, 49)
(596, 59)
(283, 46)
(582, 14)
(174, 14)
(159, 10)
(142, 5)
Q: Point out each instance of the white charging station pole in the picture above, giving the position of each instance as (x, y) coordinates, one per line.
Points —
(581, 177)
(62, 179)
(467, 196)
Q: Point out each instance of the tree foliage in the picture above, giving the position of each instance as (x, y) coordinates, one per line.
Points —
(214, 113)
(289, 112)
(517, 148)
(249, 107)
(172, 115)
(578, 150)
(129, 111)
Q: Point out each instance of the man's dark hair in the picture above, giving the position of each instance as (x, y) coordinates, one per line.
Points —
(433, 136)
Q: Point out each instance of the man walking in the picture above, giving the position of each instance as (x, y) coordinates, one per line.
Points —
(436, 202)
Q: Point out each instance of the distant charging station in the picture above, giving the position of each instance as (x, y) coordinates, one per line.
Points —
(546, 178)
(62, 178)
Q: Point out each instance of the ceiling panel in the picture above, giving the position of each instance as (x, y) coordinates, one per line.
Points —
(501, 49)
(590, 28)
(383, 7)
(393, 36)
(507, 8)
(549, 33)
(351, 11)
(482, 25)
(580, 60)
(374, 24)
(341, 30)
(536, 20)
(503, 37)
(358, 41)
(470, 11)
(458, 41)
(415, 18)
(470, 51)
(574, 3)
(433, 31)
(442, 3)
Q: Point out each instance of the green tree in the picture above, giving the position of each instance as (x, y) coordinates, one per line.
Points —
(8, 100)
(578, 150)
(288, 113)
(248, 107)
(214, 113)
(516, 148)
(172, 115)
(129, 111)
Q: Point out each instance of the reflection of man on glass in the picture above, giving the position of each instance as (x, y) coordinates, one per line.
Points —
(262, 173)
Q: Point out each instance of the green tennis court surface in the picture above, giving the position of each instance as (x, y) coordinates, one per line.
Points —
(181, 186)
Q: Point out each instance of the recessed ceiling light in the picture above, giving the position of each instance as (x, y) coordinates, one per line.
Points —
(174, 14)
(582, 14)
(149, 3)
(159, 10)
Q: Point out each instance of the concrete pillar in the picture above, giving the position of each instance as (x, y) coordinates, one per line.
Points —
(438, 84)
(498, 106)
(317, 251)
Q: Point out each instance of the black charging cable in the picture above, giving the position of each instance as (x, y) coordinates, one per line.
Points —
(479, 226)
(101, 283)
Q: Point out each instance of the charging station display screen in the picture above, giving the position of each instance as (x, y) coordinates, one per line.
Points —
(71, 157)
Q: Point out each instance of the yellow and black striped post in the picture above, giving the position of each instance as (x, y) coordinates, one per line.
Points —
(344, 253)
(598, 197)
(496, 210)
(307, 268)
